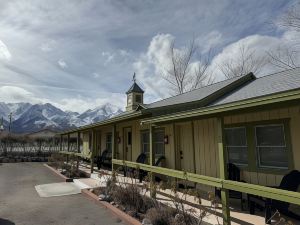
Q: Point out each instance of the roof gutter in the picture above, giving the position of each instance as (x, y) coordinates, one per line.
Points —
(260, 101)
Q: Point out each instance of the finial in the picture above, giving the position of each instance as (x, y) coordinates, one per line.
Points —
(133, 77)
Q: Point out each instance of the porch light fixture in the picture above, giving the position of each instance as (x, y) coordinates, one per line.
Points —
(119, 140)
(166, 139)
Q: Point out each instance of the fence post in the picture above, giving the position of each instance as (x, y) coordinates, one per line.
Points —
(223, 172)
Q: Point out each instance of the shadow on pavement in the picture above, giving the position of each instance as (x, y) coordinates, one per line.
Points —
(6, 222)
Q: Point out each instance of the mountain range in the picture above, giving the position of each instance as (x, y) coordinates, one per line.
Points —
(28, 117)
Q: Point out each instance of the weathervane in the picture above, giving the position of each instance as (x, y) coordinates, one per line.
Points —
(133, 77)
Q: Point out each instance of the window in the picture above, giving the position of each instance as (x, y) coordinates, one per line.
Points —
(138, 98)
(109, 141)
(158, 142)
(129, 99)
(145, 142)
(271, 146)
(236, 145)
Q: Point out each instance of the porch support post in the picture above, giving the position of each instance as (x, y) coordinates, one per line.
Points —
(68, 146)
(223, 172)
(68, 140)
(78, 141)
(114, 146)
(151, 161)
(61, 142)
(93, 150)
(78, 148)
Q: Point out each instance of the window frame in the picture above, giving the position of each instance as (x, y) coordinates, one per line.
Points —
(163, 142)
(245, 146)
(257, 148)
(142, 143)
(107, 142)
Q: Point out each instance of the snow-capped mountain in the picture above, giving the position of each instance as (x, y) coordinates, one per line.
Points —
(28, 117)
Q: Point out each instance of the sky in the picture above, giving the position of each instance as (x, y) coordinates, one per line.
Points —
(80, 54)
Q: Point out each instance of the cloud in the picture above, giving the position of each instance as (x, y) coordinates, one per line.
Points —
(4, 52)
(12, 94)
(48, 46)
(37, 36)
(62, 64)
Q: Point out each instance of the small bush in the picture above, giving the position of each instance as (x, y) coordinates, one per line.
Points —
(161, 216)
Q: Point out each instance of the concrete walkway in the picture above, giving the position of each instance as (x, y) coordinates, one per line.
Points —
(21, 205)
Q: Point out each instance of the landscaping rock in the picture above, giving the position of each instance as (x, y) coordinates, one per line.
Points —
(102, 197)
(146, 222)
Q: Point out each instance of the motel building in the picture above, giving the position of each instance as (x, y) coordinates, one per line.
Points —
(238, 138)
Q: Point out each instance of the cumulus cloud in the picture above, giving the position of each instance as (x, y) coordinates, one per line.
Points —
(4, 52)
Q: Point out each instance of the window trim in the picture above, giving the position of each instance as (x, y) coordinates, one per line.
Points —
(252, 156)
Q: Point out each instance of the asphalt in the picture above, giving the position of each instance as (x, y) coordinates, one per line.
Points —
(21, 205)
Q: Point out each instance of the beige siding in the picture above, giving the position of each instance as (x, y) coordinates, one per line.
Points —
(85, 143)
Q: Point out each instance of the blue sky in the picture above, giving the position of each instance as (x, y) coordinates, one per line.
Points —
(82, 54)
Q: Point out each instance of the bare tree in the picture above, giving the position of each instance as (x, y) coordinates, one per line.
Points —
(185, 74)
(245, 62)
(283, 57)
(286, 56)
(291, 18)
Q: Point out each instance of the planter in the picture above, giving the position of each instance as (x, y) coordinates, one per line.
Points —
(66, 179)
(119, 213)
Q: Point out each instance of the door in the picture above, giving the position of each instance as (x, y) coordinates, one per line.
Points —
(128, 143)
(184, 145)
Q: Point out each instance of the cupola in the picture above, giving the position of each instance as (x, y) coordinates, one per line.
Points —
(134, 96)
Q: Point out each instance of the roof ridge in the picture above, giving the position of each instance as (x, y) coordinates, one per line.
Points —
(274, 73)
(200, 88)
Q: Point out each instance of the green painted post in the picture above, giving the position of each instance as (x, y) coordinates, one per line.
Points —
(223, 173)
(78, 148)
(151, 161)
(113, 147)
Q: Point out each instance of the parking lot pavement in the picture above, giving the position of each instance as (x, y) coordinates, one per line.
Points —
(20, 204)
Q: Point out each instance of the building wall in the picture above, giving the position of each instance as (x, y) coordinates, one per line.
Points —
(205, 157)
(85, 143)
(292, 113)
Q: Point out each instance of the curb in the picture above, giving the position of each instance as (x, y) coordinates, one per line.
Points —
(66, 179)
(119, 213)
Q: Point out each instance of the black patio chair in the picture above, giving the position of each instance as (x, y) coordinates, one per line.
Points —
(234, 174)
(104, 159)
(289, 182)
(140, 159)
